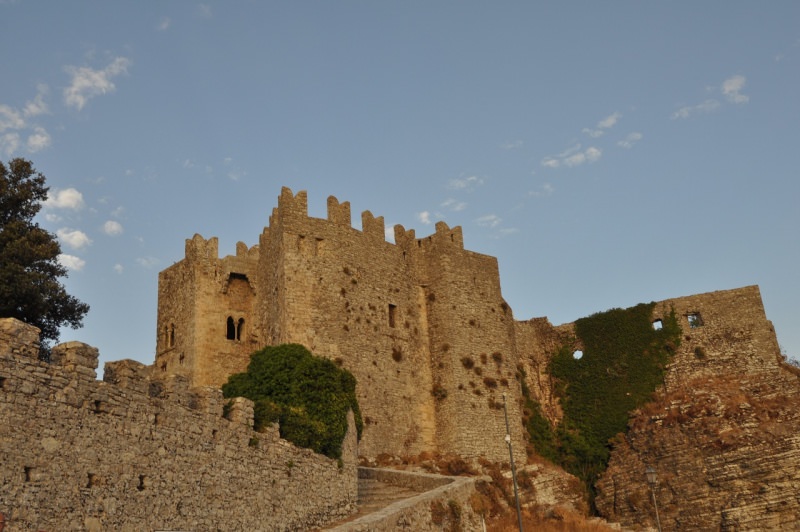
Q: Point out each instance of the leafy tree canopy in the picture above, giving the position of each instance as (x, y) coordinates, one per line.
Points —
(308, 395)
(30, 289)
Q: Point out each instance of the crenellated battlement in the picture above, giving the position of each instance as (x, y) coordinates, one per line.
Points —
(200, 249)
(130, 452)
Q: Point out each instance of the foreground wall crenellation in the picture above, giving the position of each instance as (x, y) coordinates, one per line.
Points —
(133, 453)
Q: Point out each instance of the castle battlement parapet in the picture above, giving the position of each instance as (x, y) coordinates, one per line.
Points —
(133, 452)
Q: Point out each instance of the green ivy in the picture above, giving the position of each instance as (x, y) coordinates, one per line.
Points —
(308, 395)
(623, 362)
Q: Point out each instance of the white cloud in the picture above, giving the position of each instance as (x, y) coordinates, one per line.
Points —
(147, 262)
(163, 24)
(68, 198)
(112, 228)
(545, 190)
(87, 83)
(74, 238)
(550, 162)
(593, 154)
(609, 121)
(606, 123)
(37, 106)
(39, 140)
(424, 217)
(465, 183)
(10, 118)
(705, 107)
(71, 262)
(116, 213)
(731, 88)
(118, 268)
(454, 205)
(573, 157)
(9, 143)
(489, 220)
(630, 140)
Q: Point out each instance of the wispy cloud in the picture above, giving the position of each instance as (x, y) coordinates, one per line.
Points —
(607, 123)
(147, 262)
(15, 123)
(454, 205)
(68, 198)
(424, 217)
(574, 156)
(688, 110)
(732, 89)
(630, 140)
(71, 262)
(545, 190)
(112, 228)
(163, 24)
(465, 183)
(73, 238)
(87, 83)
(489, 220)
(119, 268)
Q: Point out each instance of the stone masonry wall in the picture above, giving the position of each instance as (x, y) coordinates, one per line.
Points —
(132, 453)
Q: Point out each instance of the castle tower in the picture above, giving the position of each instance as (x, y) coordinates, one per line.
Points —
(206, 329)
(421, 324)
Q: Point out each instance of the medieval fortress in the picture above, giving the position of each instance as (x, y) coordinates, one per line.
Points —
(421, 323)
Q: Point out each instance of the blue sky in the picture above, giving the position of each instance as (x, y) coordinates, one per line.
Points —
(607, 153)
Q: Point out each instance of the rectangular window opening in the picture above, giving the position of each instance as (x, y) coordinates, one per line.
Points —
(695, 320)
(392, 314)
(658, 325)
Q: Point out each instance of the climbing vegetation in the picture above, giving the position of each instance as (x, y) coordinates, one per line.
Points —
(622, 364)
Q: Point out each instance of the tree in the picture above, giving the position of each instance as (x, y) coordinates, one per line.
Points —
(30, 289)
(308, 395)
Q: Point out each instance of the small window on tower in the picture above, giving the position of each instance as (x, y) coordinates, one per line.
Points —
(239, 328)
(231, 329)
(392, 314)
(695, 320)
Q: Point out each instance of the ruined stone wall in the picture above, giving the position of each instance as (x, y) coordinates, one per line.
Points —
(537, 341)
(721, 433)
(132, 453)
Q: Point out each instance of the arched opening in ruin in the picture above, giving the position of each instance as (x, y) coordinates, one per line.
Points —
(239, 328)
(231, 329)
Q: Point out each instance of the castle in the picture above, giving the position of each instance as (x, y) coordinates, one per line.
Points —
(436, 351)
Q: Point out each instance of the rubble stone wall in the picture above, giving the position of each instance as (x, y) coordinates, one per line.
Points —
(132, 453)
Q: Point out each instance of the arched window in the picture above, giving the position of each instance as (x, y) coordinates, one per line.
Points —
(239, 328)
(231, 334)
(171, 341)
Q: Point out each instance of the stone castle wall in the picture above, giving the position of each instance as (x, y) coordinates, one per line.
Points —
(401, 317)
(132, 453)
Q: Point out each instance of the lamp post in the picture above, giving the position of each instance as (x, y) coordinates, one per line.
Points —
(652, 481)
(511, 457)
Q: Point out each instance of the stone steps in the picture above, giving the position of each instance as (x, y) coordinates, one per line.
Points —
(374, 495)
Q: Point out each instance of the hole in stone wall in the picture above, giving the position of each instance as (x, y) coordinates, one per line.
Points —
(695, 320)
(2, 383)
(28, 473)
(98, 406)
(91, 480)
(392, 314)
(239, 328)
(140, 486)
(658, 325)
(577, 354)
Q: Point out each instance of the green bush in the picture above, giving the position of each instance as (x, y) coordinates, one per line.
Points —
(309, 396)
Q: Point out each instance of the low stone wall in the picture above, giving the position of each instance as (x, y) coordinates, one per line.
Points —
(443, 505)
(134, 454)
